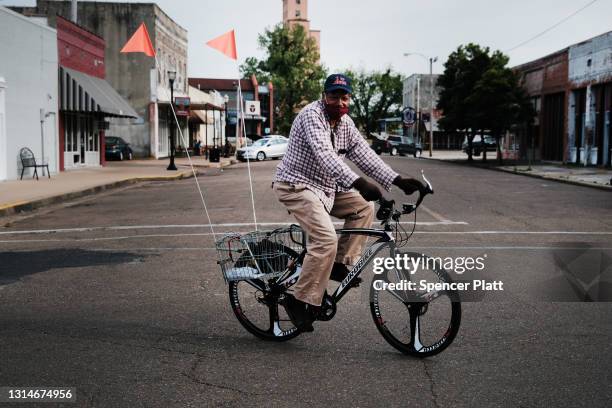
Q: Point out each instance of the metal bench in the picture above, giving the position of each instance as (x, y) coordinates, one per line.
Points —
(28, 160)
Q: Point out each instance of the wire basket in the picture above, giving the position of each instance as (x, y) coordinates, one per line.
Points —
(259, 254)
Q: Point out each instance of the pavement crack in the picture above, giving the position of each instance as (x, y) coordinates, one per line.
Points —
(192, 376)
(114, 343)
(432, 388)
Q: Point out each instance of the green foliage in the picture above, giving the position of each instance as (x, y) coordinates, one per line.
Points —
(480, 93)
(292, 65)
(376, 95)
(252, 66)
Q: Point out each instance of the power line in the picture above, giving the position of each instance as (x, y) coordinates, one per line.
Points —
(553, 26)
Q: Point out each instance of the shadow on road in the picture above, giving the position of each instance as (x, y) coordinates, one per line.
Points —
(16, 265)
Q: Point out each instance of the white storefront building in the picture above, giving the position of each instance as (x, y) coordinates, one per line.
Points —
(28, 93)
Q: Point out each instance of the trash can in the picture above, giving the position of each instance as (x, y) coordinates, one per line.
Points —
(215, 154)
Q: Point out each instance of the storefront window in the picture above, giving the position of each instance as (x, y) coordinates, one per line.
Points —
(66, 133)
(73, 133)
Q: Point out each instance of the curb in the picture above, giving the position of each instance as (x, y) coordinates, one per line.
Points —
(23, 206)
(560, 180)
(603, 187)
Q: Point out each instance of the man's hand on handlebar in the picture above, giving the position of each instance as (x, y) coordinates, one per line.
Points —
(369, 191)
(409, 185)
(386, 209)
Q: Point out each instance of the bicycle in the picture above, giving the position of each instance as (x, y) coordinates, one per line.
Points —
(263, 265)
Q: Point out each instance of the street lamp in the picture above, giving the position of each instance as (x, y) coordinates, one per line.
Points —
(431, 87)
(226, 99)
(171, 78)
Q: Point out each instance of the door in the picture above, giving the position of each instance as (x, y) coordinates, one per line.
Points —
(607, 128)
(71, 144)
(82, 139)
(163, 134)
(579, 121)
(91, 138)
(275, 147)
(282, 147)
(552, 126)
(81, 143)
(3, 158)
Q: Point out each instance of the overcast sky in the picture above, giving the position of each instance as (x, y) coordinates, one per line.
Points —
(374, 34)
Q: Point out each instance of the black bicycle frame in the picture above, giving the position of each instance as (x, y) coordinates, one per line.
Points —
(385, 238)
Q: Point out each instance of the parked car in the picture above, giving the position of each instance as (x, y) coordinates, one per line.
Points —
(395, 144)
(117, 148)
(477, 144)
(232, 140)
(273, 146)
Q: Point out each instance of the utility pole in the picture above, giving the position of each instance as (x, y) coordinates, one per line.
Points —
(431, 100)
(42, 138)
(418, 109)
(171, 79)
(73, 11)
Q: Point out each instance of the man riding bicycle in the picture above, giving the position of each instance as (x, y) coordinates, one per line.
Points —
(313, 182)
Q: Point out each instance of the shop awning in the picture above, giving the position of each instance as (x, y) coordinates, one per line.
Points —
(205, 100)
(80, 92)
(201, 115)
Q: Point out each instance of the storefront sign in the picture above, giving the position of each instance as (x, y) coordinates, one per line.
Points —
(252, 108)
(181, 106)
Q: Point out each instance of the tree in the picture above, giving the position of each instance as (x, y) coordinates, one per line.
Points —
(292, 65)
(463, 68)
(479, 92)
(499, 101)
(252, 66)
(376, 95)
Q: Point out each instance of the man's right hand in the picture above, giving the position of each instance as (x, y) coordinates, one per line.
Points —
(368, 190)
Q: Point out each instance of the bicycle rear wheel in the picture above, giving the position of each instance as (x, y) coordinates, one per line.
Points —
(416, 322)
(256, 305)
(258, 311)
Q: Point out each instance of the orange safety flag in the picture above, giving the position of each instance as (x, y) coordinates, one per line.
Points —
(225, 43)
(140, 42)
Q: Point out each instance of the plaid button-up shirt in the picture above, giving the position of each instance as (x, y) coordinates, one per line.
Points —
(316, 152)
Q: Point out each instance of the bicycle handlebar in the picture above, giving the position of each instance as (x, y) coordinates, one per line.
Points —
(386, 209)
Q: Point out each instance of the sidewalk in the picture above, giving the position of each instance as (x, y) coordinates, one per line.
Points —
(29, 194)
(583, 176)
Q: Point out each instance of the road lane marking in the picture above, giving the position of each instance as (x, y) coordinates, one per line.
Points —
(242, 232)
(204, 234)
(494, 248)
(227, 225)
(434, 214)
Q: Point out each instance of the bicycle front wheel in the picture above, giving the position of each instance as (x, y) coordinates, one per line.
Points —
(421, 321)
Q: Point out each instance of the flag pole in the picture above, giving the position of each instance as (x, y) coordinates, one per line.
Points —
(240, 120)
(141, 42)
(195, 175)
(226, 44)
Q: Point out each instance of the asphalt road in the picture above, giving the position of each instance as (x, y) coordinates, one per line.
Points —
(119, 296)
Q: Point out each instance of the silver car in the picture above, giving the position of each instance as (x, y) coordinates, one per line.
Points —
(273, 147)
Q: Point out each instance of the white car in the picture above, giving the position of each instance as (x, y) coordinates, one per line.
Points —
(273, 146)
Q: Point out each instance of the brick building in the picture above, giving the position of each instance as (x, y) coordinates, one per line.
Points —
(590, 101)
(256, 125)
(141, 80)
(545, 81)
(571, 91)
(86, 100)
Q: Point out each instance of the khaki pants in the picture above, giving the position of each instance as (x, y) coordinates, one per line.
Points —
(323, 246)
